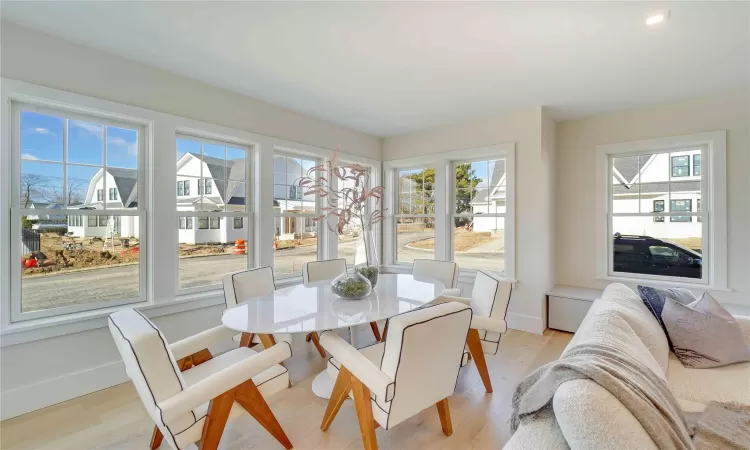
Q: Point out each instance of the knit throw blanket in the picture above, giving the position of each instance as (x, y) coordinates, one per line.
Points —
(646, 395)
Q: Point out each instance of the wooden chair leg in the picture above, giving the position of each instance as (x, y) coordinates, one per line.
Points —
(375, 330)
(315, 338)
(340, 392)
(475, 349)
(363, 404)
(246, 339)
(213, 427)
(201, 357)
(385, 331)
(248, 396)
(156, 438)
(445, 416)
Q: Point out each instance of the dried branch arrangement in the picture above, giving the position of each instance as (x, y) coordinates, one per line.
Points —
(345, 192)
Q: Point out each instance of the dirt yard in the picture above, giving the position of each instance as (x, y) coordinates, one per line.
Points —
(464, 240)
(79, 254)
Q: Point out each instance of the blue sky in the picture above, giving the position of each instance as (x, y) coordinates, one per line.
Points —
(42, 140)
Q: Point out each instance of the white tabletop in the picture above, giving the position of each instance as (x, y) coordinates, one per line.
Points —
(313, 307)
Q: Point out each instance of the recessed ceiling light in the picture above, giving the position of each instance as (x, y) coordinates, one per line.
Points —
(657, 18)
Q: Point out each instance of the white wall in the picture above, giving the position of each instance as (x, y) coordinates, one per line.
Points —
(43, 372)
(576, 186)
(534, 135)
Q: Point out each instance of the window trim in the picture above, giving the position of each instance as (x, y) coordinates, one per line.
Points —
(714, 200)
(396, 216)
(441, 162)
(13, 122)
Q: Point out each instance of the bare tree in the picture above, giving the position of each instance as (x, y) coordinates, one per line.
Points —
(32, 185)
(75, 197)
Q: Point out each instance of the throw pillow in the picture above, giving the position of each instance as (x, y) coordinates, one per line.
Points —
(701, 334)
(654, 299)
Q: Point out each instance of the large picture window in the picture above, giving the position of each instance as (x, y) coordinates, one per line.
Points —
(65, 162)
(214, 247)
(415, 215)
(664, 222)
(296, 234)
(479, 201)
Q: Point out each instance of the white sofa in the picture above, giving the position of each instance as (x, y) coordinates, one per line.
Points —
(586, 416)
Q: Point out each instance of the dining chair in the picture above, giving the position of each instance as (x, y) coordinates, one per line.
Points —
(489, 302)
(416, 367)
(314, 271)
(245, 284)
(190, 394)
(444, 271)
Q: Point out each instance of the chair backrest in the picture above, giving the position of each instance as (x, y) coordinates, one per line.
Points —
(151, 367)
(444, 271)
(490, 298)
(245, 284)
(322, 270)
(423, 354)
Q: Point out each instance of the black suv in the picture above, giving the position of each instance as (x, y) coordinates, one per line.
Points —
(652, 256)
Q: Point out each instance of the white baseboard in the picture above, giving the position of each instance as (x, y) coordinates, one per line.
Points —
(50, 392)
(526, 323)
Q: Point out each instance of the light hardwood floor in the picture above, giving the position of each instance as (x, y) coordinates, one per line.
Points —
(115, 419)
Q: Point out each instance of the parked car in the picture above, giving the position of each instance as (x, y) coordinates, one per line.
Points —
(652, 256)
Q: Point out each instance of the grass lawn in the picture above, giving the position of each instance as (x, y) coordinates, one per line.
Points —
(464, 240)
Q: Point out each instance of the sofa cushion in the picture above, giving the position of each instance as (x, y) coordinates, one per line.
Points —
(722, 384)
(701, 334)
(654, 299)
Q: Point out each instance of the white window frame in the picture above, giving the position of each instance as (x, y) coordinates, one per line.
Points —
(713, 204)
(442, 162)
(452, 205)
(396, 215)
(16, 106)
(320, 227)
(209, 216)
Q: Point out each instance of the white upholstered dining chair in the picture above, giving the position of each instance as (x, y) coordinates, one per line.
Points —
(187, 392)
(314, 271)
(489, 302)
(415, 368)
(245, 284)
(445, 272)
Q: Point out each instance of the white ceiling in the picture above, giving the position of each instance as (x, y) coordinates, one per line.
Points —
(390, 68)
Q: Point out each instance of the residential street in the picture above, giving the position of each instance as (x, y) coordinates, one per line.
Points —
(49, 291)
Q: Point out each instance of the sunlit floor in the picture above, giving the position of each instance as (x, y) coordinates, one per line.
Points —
(115, 419)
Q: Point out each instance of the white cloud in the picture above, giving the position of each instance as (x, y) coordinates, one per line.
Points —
(121, 142)
(40, 130)
(29, 156)
(90, 128)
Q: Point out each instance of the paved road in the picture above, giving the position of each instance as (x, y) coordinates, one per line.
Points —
(50, 291)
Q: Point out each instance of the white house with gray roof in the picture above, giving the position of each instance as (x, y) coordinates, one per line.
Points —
(490, 199)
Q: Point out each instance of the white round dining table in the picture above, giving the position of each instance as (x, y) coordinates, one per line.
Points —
(304, 308)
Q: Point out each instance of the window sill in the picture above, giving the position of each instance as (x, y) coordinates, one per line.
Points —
(464, 276)
(664, 283)
(50, 327)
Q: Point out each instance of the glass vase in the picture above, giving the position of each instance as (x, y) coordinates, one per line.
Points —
(366, 257)
(351, 285)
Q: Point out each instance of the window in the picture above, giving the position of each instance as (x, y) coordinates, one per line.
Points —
(180, 190)
(697, 165)
(348, 241)
(658, 207)
(681, 166)
(680, 206)
(478, 214)
(237, 223)
(415, 215)
(68, 159)
(210, 164)
(103, 221)
(296, 233)
(113, 194)
(182, 223)
(645, 182)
